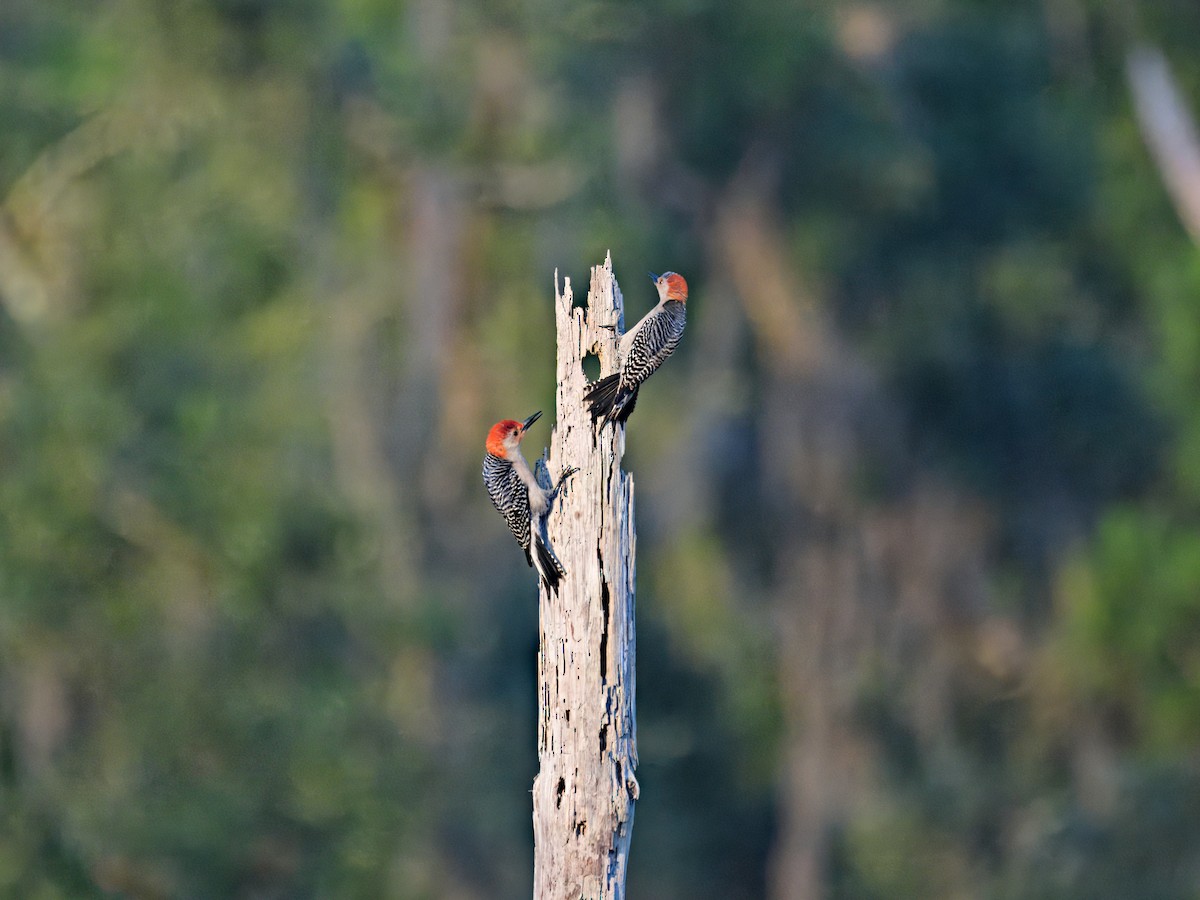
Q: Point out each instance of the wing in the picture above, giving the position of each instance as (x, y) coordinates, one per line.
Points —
(510, 497)
(653, 343)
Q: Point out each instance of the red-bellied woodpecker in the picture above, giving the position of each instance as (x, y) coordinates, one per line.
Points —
(642, 350)
(518, 496)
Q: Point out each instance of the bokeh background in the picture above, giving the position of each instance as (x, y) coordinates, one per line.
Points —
(918, 497)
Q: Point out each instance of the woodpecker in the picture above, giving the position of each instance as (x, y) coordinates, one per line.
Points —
(642, 350)
(519, 498)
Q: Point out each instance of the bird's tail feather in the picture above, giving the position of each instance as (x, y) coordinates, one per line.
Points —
(609, 401)
(625, 409)
(602, 395)
(547, 563)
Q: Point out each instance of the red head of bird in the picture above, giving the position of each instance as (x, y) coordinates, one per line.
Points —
(506, 435)
(671, 286)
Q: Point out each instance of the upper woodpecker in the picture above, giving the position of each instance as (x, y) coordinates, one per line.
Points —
(516, 493)
(642, 350)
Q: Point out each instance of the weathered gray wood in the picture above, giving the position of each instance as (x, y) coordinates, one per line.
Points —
(584, 794)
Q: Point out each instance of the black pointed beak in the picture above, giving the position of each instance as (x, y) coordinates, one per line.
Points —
(525, 425)
(653, 277)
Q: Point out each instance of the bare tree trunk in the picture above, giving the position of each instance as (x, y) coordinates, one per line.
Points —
(584, 795)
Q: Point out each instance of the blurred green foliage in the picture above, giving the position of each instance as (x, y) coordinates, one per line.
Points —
(269, 268)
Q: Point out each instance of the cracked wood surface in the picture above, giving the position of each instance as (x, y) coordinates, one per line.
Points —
(583, 796)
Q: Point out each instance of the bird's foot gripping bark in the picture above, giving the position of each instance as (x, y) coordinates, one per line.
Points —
(541, 473)
(567, 473)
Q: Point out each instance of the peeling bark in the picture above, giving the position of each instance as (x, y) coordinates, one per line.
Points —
(583, 796)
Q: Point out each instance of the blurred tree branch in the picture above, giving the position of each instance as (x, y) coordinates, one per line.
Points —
(1169, 131)
(37, 252)
(857, 583)
(813, 394)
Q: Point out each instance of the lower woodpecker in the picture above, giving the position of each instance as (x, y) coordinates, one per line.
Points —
(519, 498)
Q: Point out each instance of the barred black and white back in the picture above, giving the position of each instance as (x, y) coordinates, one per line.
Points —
(643, 349)
(654, 339)
(510, 496)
